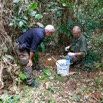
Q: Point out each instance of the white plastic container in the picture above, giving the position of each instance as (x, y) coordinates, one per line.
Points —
(63, 67)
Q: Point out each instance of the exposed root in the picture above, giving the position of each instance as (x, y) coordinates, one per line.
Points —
(1, 82)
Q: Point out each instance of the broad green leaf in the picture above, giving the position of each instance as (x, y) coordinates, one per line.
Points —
(65, 3)
(11, 24)
(38, 16)
(25, 17)
(51, 101)
(4, 48)
(40, 24)
(23, 30)
(22, 76)
(47, 72)
(5, 59)
(61, 1)
(33, 5)
(5, 96)
(42, 47)
(16, 1)
(26, 2)
(16, 98)
(25, 22)
(21, 23)
(33, 13)
(59, 13)
(52, 90)
(9, 56)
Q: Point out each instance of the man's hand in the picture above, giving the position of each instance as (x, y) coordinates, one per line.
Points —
(30, 63)
(71, 54)
(67, 48)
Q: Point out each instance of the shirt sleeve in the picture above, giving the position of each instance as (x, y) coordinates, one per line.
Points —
(35, 42)
(83, 47)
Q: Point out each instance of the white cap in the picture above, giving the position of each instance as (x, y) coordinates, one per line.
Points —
(50, 28)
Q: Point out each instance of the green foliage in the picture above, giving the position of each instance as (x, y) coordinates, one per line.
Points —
(24, 15)
(6, 99)
(89, 14)
(58, 77)
(98, 41)
(40, 24)
(3, 48)
(41, 48)
(16, 1)
(65, 3)
(67, 28)
(90, 58)
(64, 29)
(101, 99)
(51, 101)
(99, 65)
(47, 72)
(22, 76)
(87, 28)
(52, 90)
(36, 59)
(97, 82)
(47, 75)
(33, 5)
(95, 52)
(38, 16)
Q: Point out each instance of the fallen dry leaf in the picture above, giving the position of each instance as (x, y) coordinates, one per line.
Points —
(98, 96)
(72, 73)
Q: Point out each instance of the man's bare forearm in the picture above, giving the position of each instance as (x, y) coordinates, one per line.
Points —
(31, 55)
(78, 54)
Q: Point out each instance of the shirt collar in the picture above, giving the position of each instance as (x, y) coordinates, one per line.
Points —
(78, 38)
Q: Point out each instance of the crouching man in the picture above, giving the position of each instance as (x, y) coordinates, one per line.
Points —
(78, 47)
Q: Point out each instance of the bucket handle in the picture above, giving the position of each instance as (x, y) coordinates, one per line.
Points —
(57, 62)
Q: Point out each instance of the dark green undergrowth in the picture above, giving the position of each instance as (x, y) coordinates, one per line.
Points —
(90, 59)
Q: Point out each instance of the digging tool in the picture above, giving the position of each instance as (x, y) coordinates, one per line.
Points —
(56, 62)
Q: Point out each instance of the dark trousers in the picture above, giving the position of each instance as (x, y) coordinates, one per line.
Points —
(75, 60)
(24, 58)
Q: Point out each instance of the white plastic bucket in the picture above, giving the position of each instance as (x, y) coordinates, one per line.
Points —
(63, 67)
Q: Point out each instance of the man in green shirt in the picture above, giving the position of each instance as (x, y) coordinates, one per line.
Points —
(78, 47)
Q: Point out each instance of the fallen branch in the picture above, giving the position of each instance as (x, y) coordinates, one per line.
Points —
(1, 82)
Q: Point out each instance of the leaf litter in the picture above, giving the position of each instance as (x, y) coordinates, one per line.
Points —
(79, 87)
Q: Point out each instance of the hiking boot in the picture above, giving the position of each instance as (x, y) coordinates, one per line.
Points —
(36, 68)
(34, 84)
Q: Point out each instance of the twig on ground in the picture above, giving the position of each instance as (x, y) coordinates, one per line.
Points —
(1, 82)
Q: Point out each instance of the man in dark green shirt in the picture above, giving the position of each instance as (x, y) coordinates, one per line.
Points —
(78, 47)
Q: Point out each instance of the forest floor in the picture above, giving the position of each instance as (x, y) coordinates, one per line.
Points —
(79, 87)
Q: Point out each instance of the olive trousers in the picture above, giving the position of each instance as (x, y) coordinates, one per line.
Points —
(24, 58)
